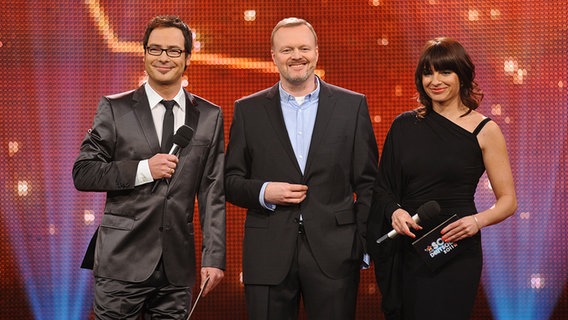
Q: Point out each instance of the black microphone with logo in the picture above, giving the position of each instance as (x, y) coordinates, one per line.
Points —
(425, 212)
(181, 139)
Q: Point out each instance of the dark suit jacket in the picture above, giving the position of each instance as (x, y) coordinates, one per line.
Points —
(342, 162)
(138, 227)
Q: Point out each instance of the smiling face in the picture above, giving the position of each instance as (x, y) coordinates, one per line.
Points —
(164, 71)
(295, 54)
(442, 86)
(445, 74)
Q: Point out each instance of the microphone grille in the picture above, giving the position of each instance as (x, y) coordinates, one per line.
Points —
(428, 210)
(183, 136)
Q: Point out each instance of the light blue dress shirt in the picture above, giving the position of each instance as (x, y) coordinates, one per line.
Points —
(300, 118)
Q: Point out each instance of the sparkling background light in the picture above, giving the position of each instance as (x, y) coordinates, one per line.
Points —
(60, 57)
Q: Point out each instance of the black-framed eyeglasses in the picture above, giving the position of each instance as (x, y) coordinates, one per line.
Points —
(170, 52)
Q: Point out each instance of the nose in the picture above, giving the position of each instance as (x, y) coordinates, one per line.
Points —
(436, 78)
(295, 54)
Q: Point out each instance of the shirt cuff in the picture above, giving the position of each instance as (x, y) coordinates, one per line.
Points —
(263, 203)
(143, 174)
(366, 263)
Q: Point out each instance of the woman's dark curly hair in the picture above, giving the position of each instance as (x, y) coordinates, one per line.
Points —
(447, 54)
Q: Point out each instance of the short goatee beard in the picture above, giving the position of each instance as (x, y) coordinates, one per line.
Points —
(298, 80)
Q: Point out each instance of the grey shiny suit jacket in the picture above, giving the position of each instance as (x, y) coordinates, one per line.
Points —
(342, 162)
(138, 226)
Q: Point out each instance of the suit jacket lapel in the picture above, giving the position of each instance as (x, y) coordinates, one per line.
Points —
(191, 112)
(326, 105)
(274, 113)
(191, 120)
(141, 108)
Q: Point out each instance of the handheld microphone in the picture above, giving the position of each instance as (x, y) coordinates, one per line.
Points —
(181, 139)
(425, 212)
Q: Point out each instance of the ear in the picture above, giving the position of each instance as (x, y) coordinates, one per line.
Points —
(187, 59)
(272, 55)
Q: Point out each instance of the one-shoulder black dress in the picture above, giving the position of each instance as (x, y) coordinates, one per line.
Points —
(425, 159)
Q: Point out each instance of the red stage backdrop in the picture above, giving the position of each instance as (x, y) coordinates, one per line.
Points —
(59, 57)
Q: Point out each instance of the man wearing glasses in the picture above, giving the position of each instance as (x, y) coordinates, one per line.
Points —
(143, 253)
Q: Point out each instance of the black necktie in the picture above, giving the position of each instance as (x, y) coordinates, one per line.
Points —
(168, 126)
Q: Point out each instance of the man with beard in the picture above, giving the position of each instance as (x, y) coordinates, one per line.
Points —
(302, 159)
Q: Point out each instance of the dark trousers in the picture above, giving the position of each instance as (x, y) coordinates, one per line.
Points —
(324, 298)
(154, 297)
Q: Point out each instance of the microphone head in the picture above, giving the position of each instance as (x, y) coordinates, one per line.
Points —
(428, 210)
(183, 136)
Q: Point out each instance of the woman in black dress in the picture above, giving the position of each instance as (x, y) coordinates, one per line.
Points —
(438, 152)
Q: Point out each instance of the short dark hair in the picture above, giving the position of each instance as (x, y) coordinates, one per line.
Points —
(167, 21)
(445, 53)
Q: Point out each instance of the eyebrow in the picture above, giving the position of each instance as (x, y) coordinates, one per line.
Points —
(167, 47)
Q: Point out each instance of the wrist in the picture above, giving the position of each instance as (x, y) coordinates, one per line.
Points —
(476, 222)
